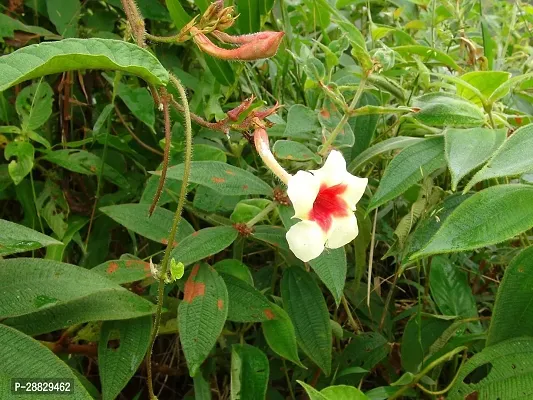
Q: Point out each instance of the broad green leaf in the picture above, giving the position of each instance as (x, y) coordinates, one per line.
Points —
(157, 227)
(446, 109)
(24, 357)
(15, 238)
(204, 243)
(140, 102)
(8, 27)
(221, 70)
(364, 126)
(294, 151)
(485, 81)
(178, 14)
(273, 235)
(302, 122)
(358, 43)
(74, 225)
(64, 14)
(385, 146)
(343, 392)
(307, 309)
(450, 288)
(331, 268)
(467, 149)
(86, 163)
(249, 20)
(221, 177)
(418, 336)
(72, 54)
(202, 387)
(201, 314)
(246, 304)
(366, 350)
(124, 271)
(117, 366)
(153, 10)
(513, 158)
(512, 315)
(502, 371)
(409, 167)
(427, 53)
(249, 372)
(329, 118)
(280, 335)
(22, 166)
(235, 268)
(43, 295)
(312, 392)
(488, 217)
(34, 105)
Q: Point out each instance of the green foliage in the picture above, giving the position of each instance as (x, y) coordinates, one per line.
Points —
(103, 104)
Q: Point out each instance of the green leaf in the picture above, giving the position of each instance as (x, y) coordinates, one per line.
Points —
(302, 122)
(358, 43)
(312, 392)
(467, 149)
(273, 235)
(25, 154)
(485, 81)
(513, 158)
(428, 53)
(201, 314)
(221, 177)
(34, 105)
(178, 14)
(124, 271)
(23, 357)
(450, 288)
(235, 268)
(64, 14)
(445, 109)
(385, 146)
(8, 27)
(204, 243)
(408, 168)
(512, 316)
(249, 20)
(280, 335)
(221, 70)
(364, 126)
(418, 336)
(366, 350)
(294, 151)
(15, 238)
(157, 227)
(86, 163)
(118, 365)
(488, 217)
(249, 372)
(246, 303)
(57, 299)
(331, 268)
(140, 102)
(502, 371)
(72, 54)
(307, 309)
(343, 392)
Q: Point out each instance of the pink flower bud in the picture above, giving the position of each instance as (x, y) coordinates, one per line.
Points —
(253, 47)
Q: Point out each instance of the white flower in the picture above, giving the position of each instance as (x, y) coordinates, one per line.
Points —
(324, 200)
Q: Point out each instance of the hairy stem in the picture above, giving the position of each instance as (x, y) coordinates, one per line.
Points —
(175, 222)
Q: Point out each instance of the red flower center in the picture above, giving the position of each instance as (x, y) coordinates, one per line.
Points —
(328, 204)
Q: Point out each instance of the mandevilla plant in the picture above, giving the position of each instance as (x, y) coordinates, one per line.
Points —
(267, 199)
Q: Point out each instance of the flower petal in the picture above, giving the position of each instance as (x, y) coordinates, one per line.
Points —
(333, 170)
(355, 188)
(302, 189)
(306, 240)
(342, 232)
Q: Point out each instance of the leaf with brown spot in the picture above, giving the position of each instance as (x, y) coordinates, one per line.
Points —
(216, 179)
(202, 314)
(124, 271)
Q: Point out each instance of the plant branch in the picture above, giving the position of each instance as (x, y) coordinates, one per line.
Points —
(175, 222)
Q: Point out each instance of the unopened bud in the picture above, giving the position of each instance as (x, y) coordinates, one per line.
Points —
(252, 47)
